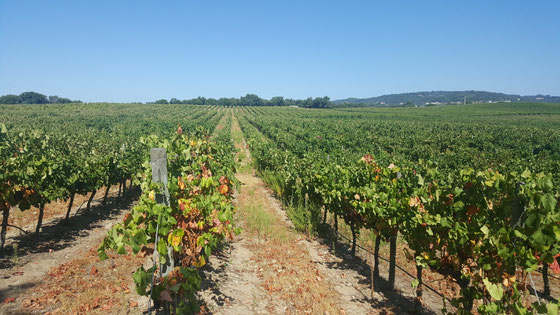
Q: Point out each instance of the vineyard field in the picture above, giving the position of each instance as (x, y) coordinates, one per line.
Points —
(466, 192)
(471, 190)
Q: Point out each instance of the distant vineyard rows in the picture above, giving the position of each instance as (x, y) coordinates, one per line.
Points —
(474, 197)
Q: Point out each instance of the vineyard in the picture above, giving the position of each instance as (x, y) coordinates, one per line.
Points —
(68, 150)
(468, 193)
(471, 191)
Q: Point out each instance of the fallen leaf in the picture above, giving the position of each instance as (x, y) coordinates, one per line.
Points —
(166, 296)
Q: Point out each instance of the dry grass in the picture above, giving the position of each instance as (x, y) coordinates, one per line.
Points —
(257, 220)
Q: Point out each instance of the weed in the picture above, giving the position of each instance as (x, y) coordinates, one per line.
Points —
(15, 254)
(258, 221)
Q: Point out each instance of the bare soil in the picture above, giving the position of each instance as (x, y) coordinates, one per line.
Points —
(58, 271)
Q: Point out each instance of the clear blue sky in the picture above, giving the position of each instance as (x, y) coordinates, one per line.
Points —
(146, 50)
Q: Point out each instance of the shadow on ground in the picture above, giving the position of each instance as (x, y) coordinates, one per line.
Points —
(213, 275)
(60, 233)
(395, 301)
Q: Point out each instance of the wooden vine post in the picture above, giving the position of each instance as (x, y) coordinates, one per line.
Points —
(392, 260)
(376, 256)
(5, 214)
(546, 283)
(158, 161)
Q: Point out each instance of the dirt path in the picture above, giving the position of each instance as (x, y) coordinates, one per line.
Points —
(271, 268)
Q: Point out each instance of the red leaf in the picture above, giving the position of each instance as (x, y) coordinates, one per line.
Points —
(555, 266)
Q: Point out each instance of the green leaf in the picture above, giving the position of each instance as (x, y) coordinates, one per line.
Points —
(141, 237)
(176, 287)
(484, 230)
(556, 231)
(519, 309)
(137, 276)
(162, 247)
(141, 278)
(121, 250)
(549, 202)
(420, 180)
(503, 252)
(547, 182)
(526, 173)
(172, 220)
(222, 217)
(491, 308)
(530, 220)
(496, 291)
(519, 234)
(102, 255)
(539, 238)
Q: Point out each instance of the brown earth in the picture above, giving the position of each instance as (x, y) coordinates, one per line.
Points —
(58, 271)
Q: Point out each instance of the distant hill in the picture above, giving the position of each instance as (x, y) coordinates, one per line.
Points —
(445, 97)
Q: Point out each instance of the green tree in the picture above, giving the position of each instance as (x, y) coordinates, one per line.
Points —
(277, 101)
(251, 100)
(55, 99)
(10, 99)
(198, 101)
(320, 102)
(33, 98)
(174, 101)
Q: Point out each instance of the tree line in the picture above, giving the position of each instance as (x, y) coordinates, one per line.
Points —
(34, 98)
(247, 100)
(253, 100)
